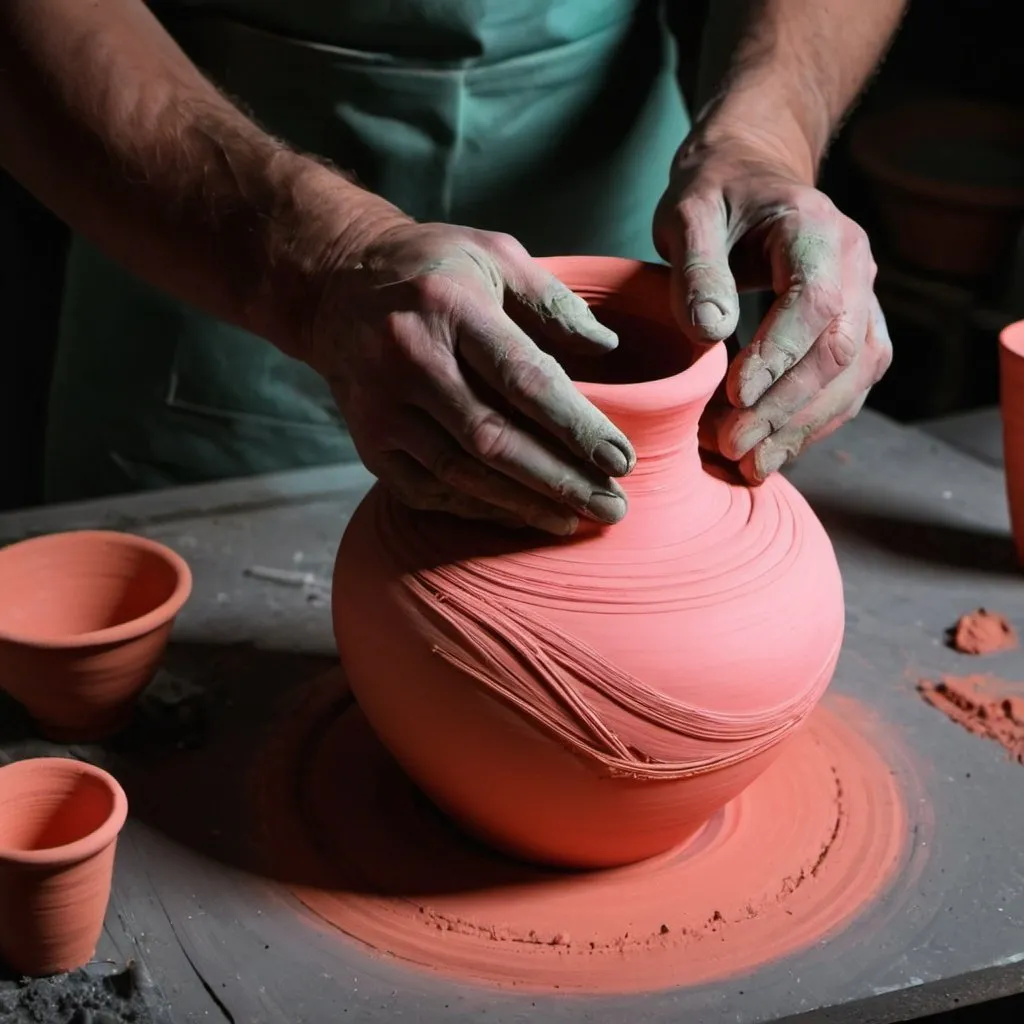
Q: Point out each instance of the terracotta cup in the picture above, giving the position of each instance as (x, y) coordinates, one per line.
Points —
(59, 822)
(1011, 404)
(84, 621)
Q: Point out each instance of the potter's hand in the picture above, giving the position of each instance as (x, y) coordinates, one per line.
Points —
(736, 217)
(450, 403)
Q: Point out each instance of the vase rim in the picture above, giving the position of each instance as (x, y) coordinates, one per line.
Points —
(86, 846)
(641, 289)
(55, 543)
(1011, 338)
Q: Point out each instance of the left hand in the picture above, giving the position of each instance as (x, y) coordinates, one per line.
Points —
(738, 216)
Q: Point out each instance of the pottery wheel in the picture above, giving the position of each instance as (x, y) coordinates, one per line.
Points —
(796, 857)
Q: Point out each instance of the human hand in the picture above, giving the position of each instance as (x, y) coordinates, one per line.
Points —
(738, 216)
(449, 402)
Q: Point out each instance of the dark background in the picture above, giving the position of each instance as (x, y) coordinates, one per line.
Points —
(943, 329)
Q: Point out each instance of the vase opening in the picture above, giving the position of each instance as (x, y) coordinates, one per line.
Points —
(648, 350)
(70, 808)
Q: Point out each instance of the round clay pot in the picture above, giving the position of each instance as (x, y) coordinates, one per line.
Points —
(948, 181)
(593, 701)
(84, 622)
(59, 822)
(1011, 407)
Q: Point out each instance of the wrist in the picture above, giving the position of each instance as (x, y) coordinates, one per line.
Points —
(760, 115)
(322, 225)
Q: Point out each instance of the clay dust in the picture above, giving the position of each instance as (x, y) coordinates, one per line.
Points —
(983, 705)
(983, 632)
(797, 856)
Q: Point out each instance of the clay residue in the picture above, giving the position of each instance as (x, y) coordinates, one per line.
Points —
(983, 705)
(796, 856)
(983, 632)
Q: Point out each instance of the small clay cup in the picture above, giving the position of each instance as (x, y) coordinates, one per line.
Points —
(1011, 405)
(84, 621)
(59, 822)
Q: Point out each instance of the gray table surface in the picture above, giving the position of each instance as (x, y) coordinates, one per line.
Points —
(922, 534)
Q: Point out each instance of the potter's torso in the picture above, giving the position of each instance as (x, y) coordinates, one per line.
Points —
(429, 31)
(554, 120)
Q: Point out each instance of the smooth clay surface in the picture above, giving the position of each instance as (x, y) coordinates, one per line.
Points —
(795, 857)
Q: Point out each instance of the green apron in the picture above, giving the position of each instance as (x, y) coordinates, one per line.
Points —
(553, 120)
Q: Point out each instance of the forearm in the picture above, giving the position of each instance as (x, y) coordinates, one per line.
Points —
(791, 69)
(110, 125)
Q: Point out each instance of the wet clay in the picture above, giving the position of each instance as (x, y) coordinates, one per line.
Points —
(983, 632)
(792, 859)
(984, 705)
(592, 701)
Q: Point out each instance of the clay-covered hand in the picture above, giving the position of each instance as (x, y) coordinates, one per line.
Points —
(737, 216)
(426, 339)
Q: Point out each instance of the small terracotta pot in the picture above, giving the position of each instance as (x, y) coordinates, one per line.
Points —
(59, 822)
(1011, 403)
(947, 181)
(84, 622)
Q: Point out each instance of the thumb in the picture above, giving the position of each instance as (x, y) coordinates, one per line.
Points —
(704, 296)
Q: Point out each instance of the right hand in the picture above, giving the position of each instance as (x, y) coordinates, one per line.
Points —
(448, 400)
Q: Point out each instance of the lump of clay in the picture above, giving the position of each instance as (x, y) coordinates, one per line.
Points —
(983, 632)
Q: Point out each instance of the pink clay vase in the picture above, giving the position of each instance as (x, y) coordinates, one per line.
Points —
(84, 621)
(594, 701)
(59, 823)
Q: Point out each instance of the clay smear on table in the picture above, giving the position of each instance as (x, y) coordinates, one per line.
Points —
(984, 705)
(794, 858)
(983, 632)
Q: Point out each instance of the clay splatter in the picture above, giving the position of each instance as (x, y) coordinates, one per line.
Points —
(798, 855)
(983, 705)
(983, 632)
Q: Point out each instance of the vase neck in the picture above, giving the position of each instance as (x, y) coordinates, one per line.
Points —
(661, 419)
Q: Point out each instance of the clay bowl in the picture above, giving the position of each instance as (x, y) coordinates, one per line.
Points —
(84, 622)
(1011, 404)
(59, 822)
(947, 178)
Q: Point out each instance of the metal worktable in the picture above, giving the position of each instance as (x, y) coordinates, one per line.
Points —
(922, 534)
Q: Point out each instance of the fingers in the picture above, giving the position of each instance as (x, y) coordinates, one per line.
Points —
(744, 428)
(704, 296)
(493, 439)
(555, 310)
(416, 487)
(833, 406)
(533, 382)
(445, 478)
(822, 272)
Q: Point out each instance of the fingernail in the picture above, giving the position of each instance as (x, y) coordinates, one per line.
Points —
(772, 462)
(757, 379)
(706, 314)
(549, 522)
(611, 459)
(606, 507)
(749, 438)
(599, 333)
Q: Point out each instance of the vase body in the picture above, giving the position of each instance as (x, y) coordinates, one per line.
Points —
(591, 702)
